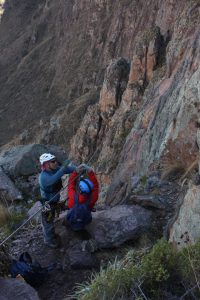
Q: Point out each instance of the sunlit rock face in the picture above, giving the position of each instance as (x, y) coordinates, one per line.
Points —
(57, 52)
(166, 127)
(120, 81)
(157, 119)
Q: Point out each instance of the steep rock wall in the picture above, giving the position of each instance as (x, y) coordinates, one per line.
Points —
(143, 118)
(162, 98)
(166, 128)
(53, 52)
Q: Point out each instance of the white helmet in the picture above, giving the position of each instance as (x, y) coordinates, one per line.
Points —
(46, 157)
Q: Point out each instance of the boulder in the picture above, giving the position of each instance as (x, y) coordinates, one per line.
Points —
(114, 226)
(16, 289)
(186, 228)
(79, 259)
(23, 160)
(29, 186)
(115, 82)
(33, 211)
(148, 201)
(8, 190)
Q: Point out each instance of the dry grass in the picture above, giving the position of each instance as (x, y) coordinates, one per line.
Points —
(172, 169)
(147, 274)
(4, 215)
(178, 169)
(192, 166)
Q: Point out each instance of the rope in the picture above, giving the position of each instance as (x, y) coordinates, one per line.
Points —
(13, 233)
(31, 217)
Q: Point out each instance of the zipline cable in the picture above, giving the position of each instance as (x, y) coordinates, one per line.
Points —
(25, 222)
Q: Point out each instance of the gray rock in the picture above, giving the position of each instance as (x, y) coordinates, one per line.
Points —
(186, 228)
(34, 209)
(198, 138)
(79, 259)
(135, 181)
(153, 182)
(16, 289)
(29, 186)
(114, 85)
(23, 160)
(147, 201)
(8, 190)
(89, 245)
(111, 228)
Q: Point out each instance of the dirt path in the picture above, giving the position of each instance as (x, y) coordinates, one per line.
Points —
(63, 278)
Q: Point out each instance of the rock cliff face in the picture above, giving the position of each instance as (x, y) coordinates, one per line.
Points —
(53, 52)
(185, 229)
(156, 122)
(143, 56)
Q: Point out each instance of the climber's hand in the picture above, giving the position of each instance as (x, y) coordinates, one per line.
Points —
(83, 167)
(66, 163)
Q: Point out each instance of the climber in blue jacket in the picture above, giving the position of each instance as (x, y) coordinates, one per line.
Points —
(50, 184)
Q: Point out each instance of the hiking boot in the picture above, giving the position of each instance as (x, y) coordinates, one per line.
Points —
(53, 244)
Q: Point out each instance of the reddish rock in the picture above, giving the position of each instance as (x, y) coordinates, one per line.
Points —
(114, 85)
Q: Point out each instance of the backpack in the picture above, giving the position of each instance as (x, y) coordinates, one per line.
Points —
(79, 215)
(32, 273)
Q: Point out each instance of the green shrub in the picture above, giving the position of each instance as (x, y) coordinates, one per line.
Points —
(114, 282)
(159, 263)
(16, 219)
(4, 215)
(143, 180)
(145, 275)
(189, 262)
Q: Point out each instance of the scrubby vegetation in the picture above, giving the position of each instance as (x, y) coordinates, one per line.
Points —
(9, 221)
(4, 215)
(157, 273)
(4, 262)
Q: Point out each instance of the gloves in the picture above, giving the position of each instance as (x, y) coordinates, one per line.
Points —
(83, 167)
(46, 207)
(66, 163)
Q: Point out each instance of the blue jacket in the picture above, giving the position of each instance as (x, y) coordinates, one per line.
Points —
(50, 182)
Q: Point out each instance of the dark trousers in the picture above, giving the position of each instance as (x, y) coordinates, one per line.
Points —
(48, 226)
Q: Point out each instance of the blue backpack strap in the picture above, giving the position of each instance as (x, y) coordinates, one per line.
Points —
(19, 267)
(88, 200)
(76, 199)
